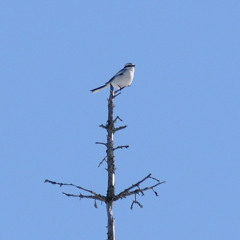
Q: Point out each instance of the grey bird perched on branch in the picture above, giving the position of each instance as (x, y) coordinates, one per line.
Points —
(121, 79)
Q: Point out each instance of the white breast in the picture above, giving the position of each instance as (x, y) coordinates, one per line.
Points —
(124, 80)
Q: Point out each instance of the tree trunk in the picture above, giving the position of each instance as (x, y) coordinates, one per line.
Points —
(110, 167)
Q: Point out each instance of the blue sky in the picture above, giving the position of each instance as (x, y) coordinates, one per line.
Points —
(182, 112)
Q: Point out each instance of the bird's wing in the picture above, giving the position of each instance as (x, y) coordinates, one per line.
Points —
(121, 72)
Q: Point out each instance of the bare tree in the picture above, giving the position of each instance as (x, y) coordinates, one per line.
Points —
(109, 199)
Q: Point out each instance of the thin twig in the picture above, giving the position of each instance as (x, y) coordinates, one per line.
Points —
(101, 143)
(136, 202)
(117, 118)
(95, 204)
(116, 94)
(102, 161)
(119, 90)
(155, 179)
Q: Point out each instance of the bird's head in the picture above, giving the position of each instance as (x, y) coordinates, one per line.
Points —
(129, 65)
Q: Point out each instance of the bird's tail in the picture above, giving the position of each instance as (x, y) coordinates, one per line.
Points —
(95, 90)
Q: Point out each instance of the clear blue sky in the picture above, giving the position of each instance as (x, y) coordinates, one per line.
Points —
(182, 112)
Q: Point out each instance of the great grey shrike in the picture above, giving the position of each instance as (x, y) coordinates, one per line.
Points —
(121, 79)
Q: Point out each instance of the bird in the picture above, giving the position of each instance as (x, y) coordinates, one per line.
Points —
(121, 79)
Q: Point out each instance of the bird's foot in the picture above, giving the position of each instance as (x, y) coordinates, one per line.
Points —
(120, 89)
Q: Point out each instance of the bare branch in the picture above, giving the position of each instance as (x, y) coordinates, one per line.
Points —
(116, 94)
(117, 118)
(102, 161)
(121, 147)
(103, 126)
(119, 128)
(133, 186)
(94, 195)
(80, 196)
(101, 143)
(119, 90)
(128, 192)
(155, 192)
(155, 179)
(136, 202)
(142, 190)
